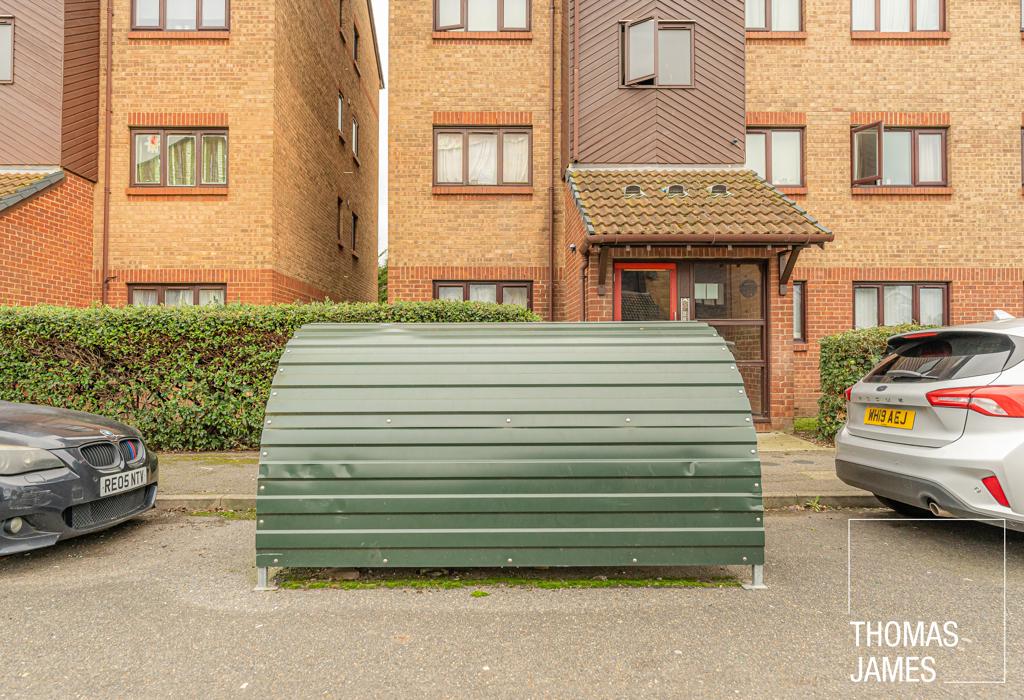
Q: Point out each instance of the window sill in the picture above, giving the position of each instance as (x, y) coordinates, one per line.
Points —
(341, 136)
(179, 36)
(356, 160)
(900, 37)
(176, 191)
(792, 190)
(776, 36)
(480, 37)
(912, 191)
(483, 189)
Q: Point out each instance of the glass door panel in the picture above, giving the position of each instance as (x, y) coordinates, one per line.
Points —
(645, 291)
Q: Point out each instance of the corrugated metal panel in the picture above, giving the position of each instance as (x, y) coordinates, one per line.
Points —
(519, 444)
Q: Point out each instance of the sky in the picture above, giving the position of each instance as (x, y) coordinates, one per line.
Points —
(380, 18)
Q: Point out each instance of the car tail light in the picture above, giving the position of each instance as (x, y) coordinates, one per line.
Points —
(925, 334)
(849, 394)
(998, 401)
(996, 489)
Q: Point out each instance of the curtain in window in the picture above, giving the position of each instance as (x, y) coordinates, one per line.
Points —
(899, 304)
(483, 159)
(147, 13)
(932, 303)
(178, 297)
(756, 154)
(211, 297)
(515, 14)
(516, 296)
(450, 293)
(863, 15)
(144, 297)
(755, 14)
(147, 159)
(928, 16)
(786, 15)
(894, 15)
(215, 13)
(929, 158)
(482, 16)
(865, 307)
(181, 14)
(896, 145)
(515, 163)
(786, 157)
(483, 292)
(449, 13)
(215, 160)
(449, 158)
(181, 161)
(674, 57)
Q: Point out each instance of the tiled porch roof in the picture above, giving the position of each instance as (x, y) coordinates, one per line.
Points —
(752, 213)
(18, 186)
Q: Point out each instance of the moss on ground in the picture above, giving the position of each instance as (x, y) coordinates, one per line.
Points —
(249, 514)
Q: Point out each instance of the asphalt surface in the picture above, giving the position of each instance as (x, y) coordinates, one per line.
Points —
(164, 606)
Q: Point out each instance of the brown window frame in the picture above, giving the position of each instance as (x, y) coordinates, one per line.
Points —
(916, 133)
(339, 226)
(341, 116)
(163, 133)
(1022, 147)
(162, 288)
(802, 286)
(768, 6)
(915, 313)
(500, 286)
(913, 19)
(199, 19)
(625, 82)
(464, 15)
(354, 233)
(500, 131)
(355, 46)
(355, 137)
(767, 131)
(8, 20)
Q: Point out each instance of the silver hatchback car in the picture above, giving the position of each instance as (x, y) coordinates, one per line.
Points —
(938, 426)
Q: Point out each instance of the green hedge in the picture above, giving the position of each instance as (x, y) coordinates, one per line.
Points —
(845, 358)
(188, 378)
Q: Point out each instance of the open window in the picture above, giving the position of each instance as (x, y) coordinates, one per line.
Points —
(482, 15)
(657, 54)
(867, 154)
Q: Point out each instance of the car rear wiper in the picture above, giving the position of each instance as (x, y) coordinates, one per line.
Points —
(908, 374)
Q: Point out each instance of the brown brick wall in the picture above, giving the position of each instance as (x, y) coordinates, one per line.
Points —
(482, 236)
(46, 246)
(243, 286)
(968, 234)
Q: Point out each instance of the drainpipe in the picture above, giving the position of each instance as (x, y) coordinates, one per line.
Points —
(554, 179)
(107, 129)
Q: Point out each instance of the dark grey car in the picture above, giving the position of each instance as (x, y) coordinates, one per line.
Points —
(65, 473)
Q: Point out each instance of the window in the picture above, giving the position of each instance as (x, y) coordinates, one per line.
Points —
(6, 49)
(355, 137)
(896, 303)
(355, 46)
(180, 15)
(177, 294)
(777, 155)
(341, 12)
(482, 15)
(512, 293)
(471, 156)
(774, 15)
(339, 227)
(800, 312)
(355, 231)
(341, 116)
(898, 157)
(898, 15)
(657, 54)
(179, 158)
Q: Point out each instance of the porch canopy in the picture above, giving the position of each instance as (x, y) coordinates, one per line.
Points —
(692, 207)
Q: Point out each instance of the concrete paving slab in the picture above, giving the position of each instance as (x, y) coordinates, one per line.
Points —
(784, 442)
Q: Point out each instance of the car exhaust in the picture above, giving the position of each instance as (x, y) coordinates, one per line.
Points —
(938, 511)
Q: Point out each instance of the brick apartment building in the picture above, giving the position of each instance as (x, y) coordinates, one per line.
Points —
(242, 160)
(897, 125)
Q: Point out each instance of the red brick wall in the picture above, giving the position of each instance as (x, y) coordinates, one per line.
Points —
(417, 283)
(46, 246)
(243, 286)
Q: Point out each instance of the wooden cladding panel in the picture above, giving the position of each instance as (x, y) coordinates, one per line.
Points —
(80, 111)
(704, 124)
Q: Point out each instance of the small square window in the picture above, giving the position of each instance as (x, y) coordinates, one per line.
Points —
(777, 156)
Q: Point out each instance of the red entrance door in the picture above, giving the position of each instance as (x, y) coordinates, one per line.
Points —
(646, 291)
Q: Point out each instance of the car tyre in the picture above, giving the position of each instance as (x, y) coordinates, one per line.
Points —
(904, 508)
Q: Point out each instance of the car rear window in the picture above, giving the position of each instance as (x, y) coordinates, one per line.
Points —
(944, 357)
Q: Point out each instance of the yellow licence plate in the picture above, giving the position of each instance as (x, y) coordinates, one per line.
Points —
(889, 417)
